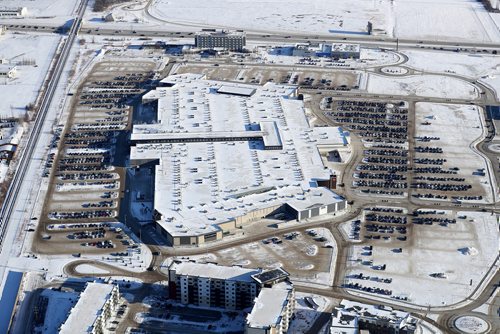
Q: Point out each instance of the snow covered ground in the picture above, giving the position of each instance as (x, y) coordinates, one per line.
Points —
(87, 268)
(444, 19)
(36, 51)
(422, 85)
(315, 16)
(471, 65)
(43, 8)
(436, 249)
(58, 307)
(426, 19)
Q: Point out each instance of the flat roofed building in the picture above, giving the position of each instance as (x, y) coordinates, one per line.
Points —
(8, 71)
(13, 11)
(272, 310)
(351, 317)
(271, 277)
(343, 323)
(345, 50)
(271, 136)
(230, 40)
(229, 158)
(270, 293)
(211, 285)
(319, 203)
(93, 309)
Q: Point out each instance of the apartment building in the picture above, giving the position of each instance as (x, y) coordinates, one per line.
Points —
(13, 11)
(211, 38)
(211, 285)
(94, 308)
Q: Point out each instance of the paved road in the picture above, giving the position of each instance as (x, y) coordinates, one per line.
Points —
(182, 30)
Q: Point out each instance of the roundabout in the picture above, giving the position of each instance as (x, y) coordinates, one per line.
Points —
(394, 70)
(471, 324)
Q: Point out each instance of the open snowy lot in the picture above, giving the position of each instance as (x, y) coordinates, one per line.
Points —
(444, 19)
(427, 19)
(472, 65)
(461, 252)
(32, 54)
(422, 85)
(43, 8)
(485, 68)
(315, 16)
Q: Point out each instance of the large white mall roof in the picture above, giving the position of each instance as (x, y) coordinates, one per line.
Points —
(213, 165)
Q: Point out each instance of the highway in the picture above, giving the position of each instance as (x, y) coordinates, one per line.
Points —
(264, 38)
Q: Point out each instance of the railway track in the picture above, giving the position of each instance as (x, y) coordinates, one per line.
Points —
(26, 155)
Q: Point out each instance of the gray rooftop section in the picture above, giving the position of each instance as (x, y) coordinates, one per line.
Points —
(271, 275)
(179, 137)
(345, 47)
(271, 135)
(236, 90)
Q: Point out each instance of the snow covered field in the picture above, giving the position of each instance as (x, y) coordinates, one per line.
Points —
(444, 19)
(472, 65)
(436, 249)
(422, 85)
(484, 67)
(315, 16)
(35, 50)
(43, 8)
(426, 19)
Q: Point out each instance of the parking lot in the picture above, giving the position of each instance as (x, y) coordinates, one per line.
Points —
(408, 270)
(383, 128)
(306, 256)
(446, 166)
(86, 157)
